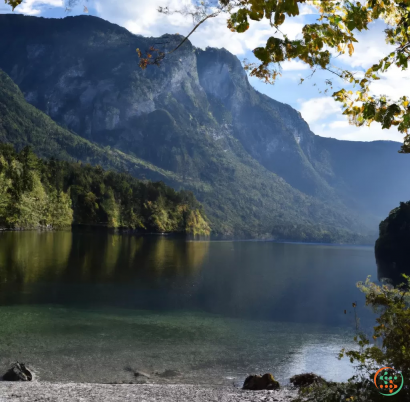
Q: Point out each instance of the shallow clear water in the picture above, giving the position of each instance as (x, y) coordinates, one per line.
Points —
(89, 306)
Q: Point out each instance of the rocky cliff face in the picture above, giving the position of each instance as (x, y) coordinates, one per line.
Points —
(392, 246)
(252, 161)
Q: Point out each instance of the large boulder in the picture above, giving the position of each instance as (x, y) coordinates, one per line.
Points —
(18, 372)
(258, 383)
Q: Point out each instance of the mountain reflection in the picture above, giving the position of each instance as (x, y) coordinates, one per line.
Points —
(29, 257)
(60, 258)
(257, 280)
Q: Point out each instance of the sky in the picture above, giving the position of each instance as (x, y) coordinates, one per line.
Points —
(318, 108)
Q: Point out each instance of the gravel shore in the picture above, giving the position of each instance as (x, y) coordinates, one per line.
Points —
(73, 392)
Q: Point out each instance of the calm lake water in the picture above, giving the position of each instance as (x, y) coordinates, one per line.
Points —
(90, 306)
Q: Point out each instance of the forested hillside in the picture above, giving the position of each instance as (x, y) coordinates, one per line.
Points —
(55, 194)
(230, 190)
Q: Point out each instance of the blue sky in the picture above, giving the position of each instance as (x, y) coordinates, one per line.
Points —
(318, 108)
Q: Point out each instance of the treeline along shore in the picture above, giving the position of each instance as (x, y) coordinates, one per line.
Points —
(53, 194)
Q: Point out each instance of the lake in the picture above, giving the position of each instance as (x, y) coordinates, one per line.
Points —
(91, 307)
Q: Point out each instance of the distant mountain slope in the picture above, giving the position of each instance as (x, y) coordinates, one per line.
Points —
(367, 176)
(252, 161)
(22, 124)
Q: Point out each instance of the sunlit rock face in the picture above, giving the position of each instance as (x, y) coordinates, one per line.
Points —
(251, 160)
(272, 132)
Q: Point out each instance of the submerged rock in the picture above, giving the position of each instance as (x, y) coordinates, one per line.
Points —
(306, 379)
(169, 374)
(141, 374)
(18, 372)
(257, 382)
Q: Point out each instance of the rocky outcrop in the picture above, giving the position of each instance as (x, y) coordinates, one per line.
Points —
(18, 372)
(393, 245)
(261, 382)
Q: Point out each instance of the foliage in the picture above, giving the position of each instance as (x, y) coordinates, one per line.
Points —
(389, 346)
(37, 193)
(13, 3)
(353, 390)
(335, 30)
(392, 329)
(24, 200)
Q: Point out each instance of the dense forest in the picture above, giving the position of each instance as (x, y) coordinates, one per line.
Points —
(56, 194)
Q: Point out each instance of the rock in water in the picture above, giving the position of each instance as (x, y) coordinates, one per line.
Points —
(18, 372)
(257, 382)
(169, 374)
(141, 374)
(307, 379)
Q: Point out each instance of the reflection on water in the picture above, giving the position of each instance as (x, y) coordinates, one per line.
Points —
(208, 309)
(38, 258)
(389, 272)
(28, 257)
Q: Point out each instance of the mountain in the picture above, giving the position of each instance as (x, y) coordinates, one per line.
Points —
(196, 123)
(22, 124)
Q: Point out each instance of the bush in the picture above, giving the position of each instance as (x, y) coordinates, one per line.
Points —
(390, 346)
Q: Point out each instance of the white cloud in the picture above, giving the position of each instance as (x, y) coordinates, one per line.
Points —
(306, 9)
(369, 49)
(294, 65)
(318, 109)
(142, 17)
(352, 133)
(338, 124)
(325, 118)
(394, 83)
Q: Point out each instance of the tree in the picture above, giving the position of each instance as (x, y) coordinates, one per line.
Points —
(334, 31)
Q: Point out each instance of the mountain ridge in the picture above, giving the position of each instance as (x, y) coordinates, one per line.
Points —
(197, 117)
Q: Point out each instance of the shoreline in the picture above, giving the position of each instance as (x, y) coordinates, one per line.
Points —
(78, 228)
(76, 392)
